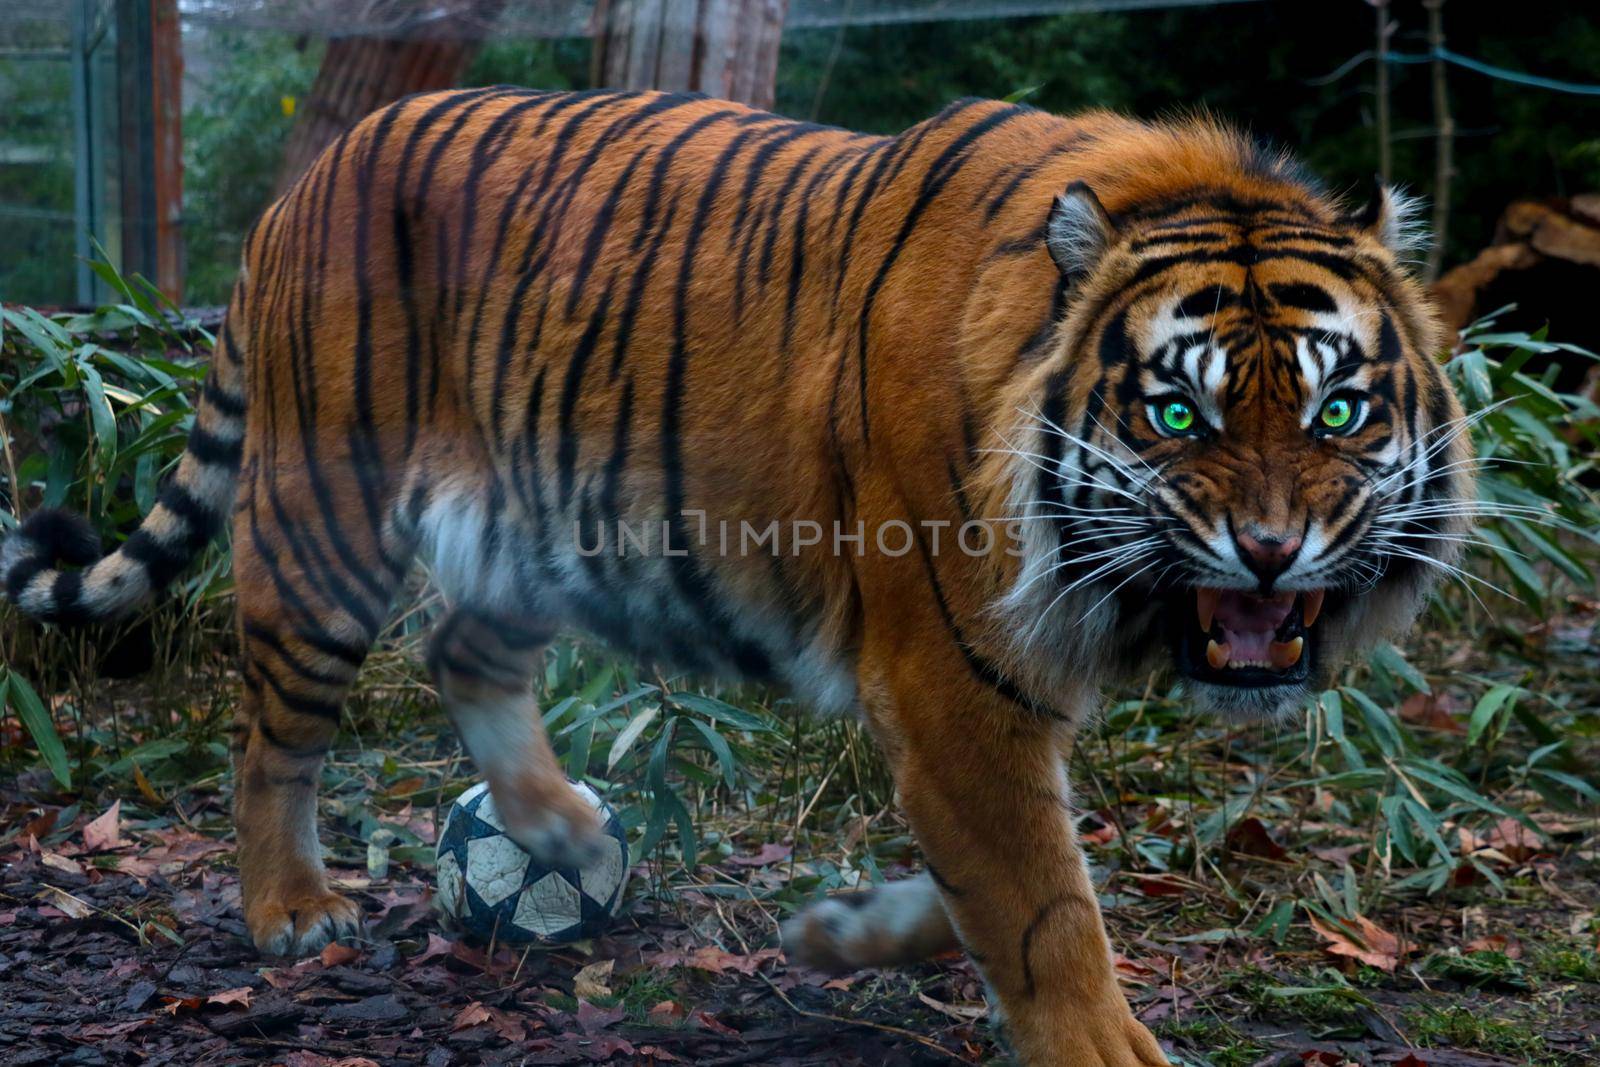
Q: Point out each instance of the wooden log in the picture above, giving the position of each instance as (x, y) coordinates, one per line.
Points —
(724, 48)
(359, 74)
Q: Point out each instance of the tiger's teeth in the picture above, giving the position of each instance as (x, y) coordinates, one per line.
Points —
(1311, 607)
(1286, 654)
(1205, 606)
(1216, 655)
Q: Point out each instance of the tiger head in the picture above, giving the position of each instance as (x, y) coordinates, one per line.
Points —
(1243, 458)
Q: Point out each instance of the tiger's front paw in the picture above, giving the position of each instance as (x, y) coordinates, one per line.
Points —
(1108, 1037)
(558, 829)
(301, 925)
(1130, 1043)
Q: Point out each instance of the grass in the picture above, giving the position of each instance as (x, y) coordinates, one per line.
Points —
(1456, 1026)
(1455, 775)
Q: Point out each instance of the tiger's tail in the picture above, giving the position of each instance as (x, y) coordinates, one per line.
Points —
(191, 510)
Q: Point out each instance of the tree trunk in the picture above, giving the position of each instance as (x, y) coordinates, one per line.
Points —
(150, 131)
(360, 74)
(724, 48)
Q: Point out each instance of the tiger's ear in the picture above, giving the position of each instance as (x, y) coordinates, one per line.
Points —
(1395, 219)
(1078, 232)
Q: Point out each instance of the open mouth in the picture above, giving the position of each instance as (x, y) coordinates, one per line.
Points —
(1230, 637)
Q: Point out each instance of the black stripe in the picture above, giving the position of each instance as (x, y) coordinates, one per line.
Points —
(66, 600)
(208, 448)
(270, 735)
(404, 213)
(944, 167)
(1026, 949)
(223, 402)
(636, 288)
(984, 670)
(571, 389)
(260, 632)
(687, 575)
(939, 880)
(295, 702)
(1303, 295)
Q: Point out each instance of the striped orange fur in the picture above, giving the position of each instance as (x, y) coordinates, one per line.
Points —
(1192, 395)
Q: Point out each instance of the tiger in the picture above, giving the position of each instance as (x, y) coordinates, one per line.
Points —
(1004, 410)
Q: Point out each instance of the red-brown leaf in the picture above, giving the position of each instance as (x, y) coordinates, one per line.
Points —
(1361, 938)
(105, 832)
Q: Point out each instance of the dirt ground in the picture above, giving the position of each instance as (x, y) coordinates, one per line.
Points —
(125, 946)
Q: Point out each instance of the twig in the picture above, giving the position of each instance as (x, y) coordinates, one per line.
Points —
(925, 1042)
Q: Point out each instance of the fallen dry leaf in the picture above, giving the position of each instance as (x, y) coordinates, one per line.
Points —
(146, 790)
(337, 955)
(510, 1027)
(1155, 885)
(1250, 837)
(593, 1019)
(474, 1014)
(1514, 840)
(1435, 711)
(591, 980)
(437, 946)
(40, 825)
(964, 1012)
(175, 1005)
(1361, 938)
(105, 832)
(67, 904)
(667, 1013)
(57, 861)
(706, 1021)
(1103, 834)
(239, 996)
(713, 959)
(769, 853)
(1508, 946)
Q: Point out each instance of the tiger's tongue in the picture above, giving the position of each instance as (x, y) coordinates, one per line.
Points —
(1249, 623)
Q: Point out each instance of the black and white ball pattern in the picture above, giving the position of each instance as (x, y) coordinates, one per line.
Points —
(489, 885)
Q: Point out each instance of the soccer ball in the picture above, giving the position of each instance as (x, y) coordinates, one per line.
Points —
(492, 888)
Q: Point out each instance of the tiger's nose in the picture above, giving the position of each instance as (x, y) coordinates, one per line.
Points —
(1266, 552)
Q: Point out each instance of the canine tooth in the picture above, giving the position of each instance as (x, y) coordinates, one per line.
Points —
(1286, 654)
(1311, 607)
(1205, 606)
(1216, 655)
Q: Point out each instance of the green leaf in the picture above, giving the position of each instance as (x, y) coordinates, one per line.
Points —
(30, 709)
(48, 339)
(1488, 706)
(720, 748)
(722, 712)
(556, 712)
(1553, 552)
(1379, 722)
(1276, 923)
(1523, 576)
(629, 734)
(146, 755)
(100, 414)
(1390, 659)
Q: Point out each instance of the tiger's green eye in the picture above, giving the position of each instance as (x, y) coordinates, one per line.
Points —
(1177, 415)
(1337, 413)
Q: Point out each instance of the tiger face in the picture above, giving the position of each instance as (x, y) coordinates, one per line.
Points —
(1249, 462)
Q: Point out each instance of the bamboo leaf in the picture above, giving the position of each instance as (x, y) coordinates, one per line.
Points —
(41, 727)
